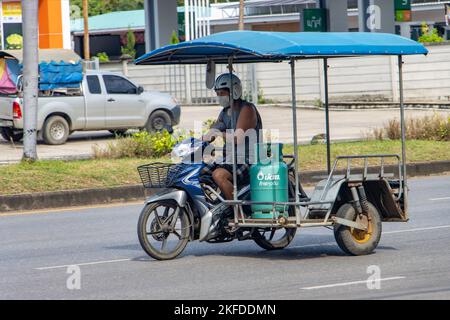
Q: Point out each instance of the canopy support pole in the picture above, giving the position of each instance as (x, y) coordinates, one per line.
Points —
(327, 113)
(403, 131)
(294, 126)
(233, 146)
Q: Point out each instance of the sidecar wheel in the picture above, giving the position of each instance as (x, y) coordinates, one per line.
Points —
(160, 236)
(356, 242)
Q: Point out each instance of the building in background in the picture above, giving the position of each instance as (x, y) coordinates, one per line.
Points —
(108, 33)
(54, 24)
(276, 15)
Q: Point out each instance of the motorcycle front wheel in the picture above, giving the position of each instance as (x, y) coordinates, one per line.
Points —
(163, 230)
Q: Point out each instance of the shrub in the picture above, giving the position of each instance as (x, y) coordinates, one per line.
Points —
(139, 145)
(435, 127)
(208, 123)
(102, 57)
(429, 35)
(174, 38)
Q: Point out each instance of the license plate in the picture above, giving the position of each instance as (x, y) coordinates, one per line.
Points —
(6, 123)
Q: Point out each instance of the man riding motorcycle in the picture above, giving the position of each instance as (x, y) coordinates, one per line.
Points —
(237, 122)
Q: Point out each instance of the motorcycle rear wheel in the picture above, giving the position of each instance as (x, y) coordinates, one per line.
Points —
(160, 236)
(278, 238)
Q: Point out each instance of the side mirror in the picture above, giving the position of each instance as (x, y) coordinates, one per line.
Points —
(140, 89)
(19, 83)
(210, 74)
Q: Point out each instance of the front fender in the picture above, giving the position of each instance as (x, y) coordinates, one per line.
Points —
(177, 195)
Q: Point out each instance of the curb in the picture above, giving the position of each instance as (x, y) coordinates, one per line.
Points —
(84, 197)
(361, 106)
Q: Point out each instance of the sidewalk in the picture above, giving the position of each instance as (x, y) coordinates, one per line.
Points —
(344, 125)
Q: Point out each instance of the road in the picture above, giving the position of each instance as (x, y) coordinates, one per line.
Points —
(344, 125)
(36, 248)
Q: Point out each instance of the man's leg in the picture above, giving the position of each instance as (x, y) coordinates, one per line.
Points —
(223, 178)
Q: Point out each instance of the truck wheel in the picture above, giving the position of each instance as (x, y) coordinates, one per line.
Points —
(157, 121)
(56, 130)
(358, 242)
(8, 134)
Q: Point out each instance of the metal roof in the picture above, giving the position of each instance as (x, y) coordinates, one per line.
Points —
(256, 46)
(111, 21)
(265, 3)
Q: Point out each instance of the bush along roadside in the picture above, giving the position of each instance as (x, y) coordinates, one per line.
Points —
(435, 127)
(139, 145)
(145, 144)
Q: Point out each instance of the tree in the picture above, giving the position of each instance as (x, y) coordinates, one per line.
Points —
(174, 39)
(131, 42)
(97, 7)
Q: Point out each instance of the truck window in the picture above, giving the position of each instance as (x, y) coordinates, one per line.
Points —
(94, 85)
(118, 85)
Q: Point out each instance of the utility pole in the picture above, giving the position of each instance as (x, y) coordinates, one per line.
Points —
(241, 14)
(30, 77)
(86, 30)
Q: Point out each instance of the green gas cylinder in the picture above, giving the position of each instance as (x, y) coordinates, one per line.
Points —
(269, 181)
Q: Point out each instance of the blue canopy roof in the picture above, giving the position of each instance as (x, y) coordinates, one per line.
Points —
(257, 46)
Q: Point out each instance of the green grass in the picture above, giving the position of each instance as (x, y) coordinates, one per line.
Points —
(313, 157)
(60, 175)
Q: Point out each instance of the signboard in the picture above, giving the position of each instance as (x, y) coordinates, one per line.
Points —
(315, 20)
(403, 15)
(11, 12)
(402, 10)
(402, 4)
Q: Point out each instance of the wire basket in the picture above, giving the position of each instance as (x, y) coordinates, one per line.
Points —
(158, 175)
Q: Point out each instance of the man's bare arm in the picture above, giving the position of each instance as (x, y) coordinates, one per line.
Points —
(247, 120)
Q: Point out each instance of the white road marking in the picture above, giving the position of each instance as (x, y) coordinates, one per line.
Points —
(82, 264)
(416, 229)
(349, 283)
(437, 199)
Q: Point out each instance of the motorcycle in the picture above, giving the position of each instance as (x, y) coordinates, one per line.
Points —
(188, 206)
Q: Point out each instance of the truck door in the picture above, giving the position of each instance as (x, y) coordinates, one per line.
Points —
(124, 106)
(95, 103)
